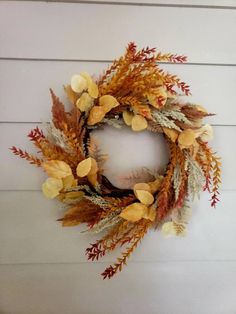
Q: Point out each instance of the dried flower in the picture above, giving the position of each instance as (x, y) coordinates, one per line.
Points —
(57, 169)
(139, 123)
(96, 115)
(134, 212)
(83, 82)
(150, 213)
(141, 186)
(51, 187)
(78, 83)
(108, 102)
(136, 121)
(186, 138)
(128, 117)
(206, 133)
(84, 102)
(144, 197)
(86, 167)
(171, 228)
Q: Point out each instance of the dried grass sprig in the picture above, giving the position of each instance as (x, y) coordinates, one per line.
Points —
(196, 177)
(164, 198)
(36, 136)
(168, 57)
(172, 81)
(162, 119)
(177, 115)
(23, 154)
(138, 235)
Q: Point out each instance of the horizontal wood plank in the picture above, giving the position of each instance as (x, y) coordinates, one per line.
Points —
(29, 99)
(129, 152)
(163, 288)
(63, 31)
(30, 233)
(189, 3)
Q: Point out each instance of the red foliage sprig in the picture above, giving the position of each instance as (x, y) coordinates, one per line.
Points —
(36, 136)
(142, 229)
(23, 154)
(211, 166)
(95, 251)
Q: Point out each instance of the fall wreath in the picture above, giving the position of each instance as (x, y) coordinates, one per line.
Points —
(136, 92)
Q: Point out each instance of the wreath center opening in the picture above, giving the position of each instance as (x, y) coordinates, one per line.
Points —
(131, 156)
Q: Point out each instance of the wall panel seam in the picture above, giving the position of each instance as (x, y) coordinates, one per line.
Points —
(127, 3)
(130, 262)
(110, 61)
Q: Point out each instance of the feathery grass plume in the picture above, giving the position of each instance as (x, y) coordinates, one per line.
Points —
(192, 113)
(110, 241)
(98, 200)
(23, 154)
(154, 127)
(118, 202)
(106, 223)
(83, 212)
(177, 180)
(182, 214)
(161, 119)
(58, 138)
(180, 228)
(196, 177)
(176, 115)
(136, 176)
(59, 116)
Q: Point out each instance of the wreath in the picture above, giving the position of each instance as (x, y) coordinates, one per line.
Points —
(136, 92)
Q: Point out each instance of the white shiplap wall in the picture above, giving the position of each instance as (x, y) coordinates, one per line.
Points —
(42, 266)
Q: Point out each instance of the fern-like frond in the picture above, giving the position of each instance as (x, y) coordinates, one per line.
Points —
(36, 136)
(59, 116)
(168, 57)
(163, 120)
(196, 177)
(141, 230)
(30, 158)
(216, 180)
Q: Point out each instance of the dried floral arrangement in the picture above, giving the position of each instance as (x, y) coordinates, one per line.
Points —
(136, 92)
